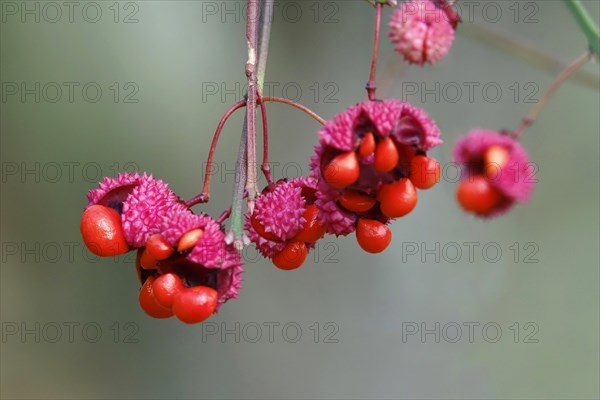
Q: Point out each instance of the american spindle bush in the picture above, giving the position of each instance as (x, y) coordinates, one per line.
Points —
(369, 168)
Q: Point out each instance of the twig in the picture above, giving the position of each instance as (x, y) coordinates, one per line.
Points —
(564, 75)
(266, 169)
(205, 195)
(520, 48)
(305, 109)
(251, 35)
(236, 233)
(264, 40)
(224, 216)
(371, 85)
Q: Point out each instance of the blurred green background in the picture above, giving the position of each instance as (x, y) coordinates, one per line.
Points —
(164, 69)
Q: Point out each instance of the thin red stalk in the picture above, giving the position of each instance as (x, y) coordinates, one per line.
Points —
(266, 169)
(371, 85)
(537, 108)
(224, 216)
(205, 195)
(306, 110)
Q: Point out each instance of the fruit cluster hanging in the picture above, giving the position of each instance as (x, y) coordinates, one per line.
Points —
(369, 168)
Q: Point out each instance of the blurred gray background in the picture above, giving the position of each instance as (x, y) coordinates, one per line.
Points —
(150, 80)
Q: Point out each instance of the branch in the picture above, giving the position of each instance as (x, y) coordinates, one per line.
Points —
(236, 233)
(520, 48)
(371, 85)
(264, 40)
(563, 76)
(300, 107)
(251, 35)
(205, 195)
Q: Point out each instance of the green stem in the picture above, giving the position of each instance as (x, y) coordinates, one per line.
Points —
(252, 38)
(586, 23)
(264, 37)
(236, 233)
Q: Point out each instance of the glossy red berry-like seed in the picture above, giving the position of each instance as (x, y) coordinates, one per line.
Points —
(496, 155)
(195, 304)
(261, 229)
(342, 171)
(158, 247)
(386, 155)
(312, 230)
(147, 261)
(367, 145)
(148, 301)
(353, 200)
(189, 240)
(101, 231)
(292, 256)
(477, 195)
(372, 236)
(495, 159)
(397, 199)
(166, 287)
(424, 172)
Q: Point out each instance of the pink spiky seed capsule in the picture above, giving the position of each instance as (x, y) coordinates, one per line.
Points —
(496, 172)
(423, 30)
(383, 137)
